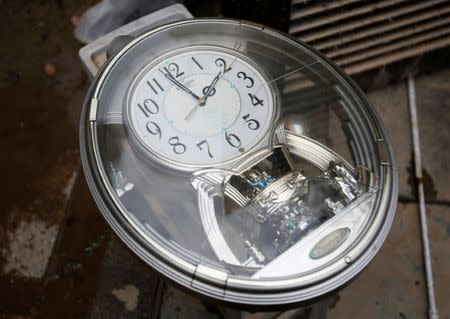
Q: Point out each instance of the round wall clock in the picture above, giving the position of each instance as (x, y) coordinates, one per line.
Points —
(238, 162)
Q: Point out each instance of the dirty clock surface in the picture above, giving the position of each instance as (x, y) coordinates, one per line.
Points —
(238, 162)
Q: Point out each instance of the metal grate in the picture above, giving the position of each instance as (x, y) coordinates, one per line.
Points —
(360, 35)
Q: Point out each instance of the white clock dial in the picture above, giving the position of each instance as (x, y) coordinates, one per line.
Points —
(200, 107)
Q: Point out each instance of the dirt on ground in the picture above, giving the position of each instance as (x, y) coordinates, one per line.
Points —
(42, 85)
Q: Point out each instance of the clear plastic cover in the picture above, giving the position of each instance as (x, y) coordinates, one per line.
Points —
(239, 158)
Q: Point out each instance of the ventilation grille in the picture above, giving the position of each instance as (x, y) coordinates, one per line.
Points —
(361, 35)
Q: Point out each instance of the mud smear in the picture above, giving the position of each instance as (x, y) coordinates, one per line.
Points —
(428, 183)
(333, 301)
(39, 131)
(34, 137)
(30, 246)
(70, 283)
(41, 159)
(72, 275)
(128, 295)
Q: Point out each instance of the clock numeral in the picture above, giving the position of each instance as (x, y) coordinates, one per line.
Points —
(242, 75)
(153, 128)
(255, 100)
(251, 123)
(178, 148)
(196, 62)
(222, 64)
(149, 106)
(199, 145)
(233, 140)
(173, 68)
(155, 86)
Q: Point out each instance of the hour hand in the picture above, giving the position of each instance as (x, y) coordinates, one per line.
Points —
(169, 76)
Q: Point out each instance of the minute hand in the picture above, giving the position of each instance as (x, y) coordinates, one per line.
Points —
(211, 87)
(180, 85)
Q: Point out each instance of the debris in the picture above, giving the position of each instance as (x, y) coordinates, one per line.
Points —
(70, 271)
(70, 268)
(67, 191)
(75, 19)
(30, 247)
(95, 244)
(50, 69)
(129, 295)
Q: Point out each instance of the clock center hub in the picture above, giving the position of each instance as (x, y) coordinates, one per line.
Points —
(209, 116)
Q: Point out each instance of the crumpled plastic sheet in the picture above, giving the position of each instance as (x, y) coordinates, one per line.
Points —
(108, 15)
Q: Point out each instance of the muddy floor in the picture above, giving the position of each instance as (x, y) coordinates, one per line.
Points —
(42, 85)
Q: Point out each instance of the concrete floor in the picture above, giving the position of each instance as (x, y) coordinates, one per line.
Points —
(395, 278)
(58, 258)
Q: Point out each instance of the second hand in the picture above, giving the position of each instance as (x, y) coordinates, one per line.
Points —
(192, 111)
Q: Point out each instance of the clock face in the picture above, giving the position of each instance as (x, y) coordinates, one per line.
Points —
(200, 107)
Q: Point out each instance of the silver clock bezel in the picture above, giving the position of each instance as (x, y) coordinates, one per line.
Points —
(263, 142)
(198, 276)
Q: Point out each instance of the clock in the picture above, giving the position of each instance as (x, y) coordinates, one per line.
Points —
(238, 162)
(200, 107)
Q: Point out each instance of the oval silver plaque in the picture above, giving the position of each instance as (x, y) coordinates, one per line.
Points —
(329, 243)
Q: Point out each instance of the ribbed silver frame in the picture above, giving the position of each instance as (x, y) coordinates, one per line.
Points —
(209, 281)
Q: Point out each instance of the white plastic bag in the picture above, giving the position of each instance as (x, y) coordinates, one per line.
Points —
(108, 15)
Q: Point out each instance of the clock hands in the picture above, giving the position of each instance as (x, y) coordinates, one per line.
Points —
(193, 110)
(210, 88)
(202, 100)
(170, 77)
